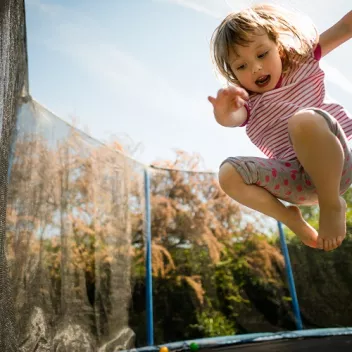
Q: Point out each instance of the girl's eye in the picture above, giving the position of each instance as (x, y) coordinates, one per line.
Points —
(241, 67)
(262, 55)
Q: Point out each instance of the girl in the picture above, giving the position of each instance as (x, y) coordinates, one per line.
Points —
(276, 89)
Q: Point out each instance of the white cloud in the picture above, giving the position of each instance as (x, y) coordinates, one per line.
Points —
(210, 7)
(215, 8)
(219, 8)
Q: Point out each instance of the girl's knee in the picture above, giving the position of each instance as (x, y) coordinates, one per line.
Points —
(228, 177)
(305, 121)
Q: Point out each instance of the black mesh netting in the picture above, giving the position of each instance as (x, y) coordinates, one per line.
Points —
(13, 71)
(72, 240)
(72, 206)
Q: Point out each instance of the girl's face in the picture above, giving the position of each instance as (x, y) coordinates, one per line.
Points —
(258, 66)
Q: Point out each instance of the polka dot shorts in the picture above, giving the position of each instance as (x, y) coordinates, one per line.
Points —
(287, 179)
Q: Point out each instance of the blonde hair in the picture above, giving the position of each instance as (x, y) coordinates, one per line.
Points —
(292, 35)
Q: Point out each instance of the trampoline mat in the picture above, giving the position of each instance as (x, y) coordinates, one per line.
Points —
(319, 344)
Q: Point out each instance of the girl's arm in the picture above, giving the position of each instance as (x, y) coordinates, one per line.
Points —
(336, 35)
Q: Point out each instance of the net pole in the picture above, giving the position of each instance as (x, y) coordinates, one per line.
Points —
(148, 263)
(291, 281)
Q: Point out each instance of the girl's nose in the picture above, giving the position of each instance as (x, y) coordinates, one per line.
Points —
(256, 68)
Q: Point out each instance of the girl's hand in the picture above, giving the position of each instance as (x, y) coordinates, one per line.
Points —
(228, 101)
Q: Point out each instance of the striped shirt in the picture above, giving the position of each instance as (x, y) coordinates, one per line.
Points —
(268, 113)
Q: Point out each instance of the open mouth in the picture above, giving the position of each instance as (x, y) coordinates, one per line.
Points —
(263, 81)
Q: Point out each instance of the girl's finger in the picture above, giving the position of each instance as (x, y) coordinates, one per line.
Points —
(239, 102)
(240, 92)
(212, 100)
(222, 93)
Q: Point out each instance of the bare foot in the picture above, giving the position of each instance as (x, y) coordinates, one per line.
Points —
(306, 233)
(332, 225)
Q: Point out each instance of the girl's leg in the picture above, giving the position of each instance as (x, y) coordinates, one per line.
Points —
(259, 199)
(321, 154)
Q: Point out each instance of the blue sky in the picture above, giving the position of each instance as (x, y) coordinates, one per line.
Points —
(140, 70)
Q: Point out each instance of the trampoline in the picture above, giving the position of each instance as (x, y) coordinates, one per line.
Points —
(322, 340)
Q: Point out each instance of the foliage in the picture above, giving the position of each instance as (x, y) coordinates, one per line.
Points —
(213, 323)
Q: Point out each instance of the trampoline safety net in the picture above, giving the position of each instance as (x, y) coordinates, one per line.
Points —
(73, 241)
